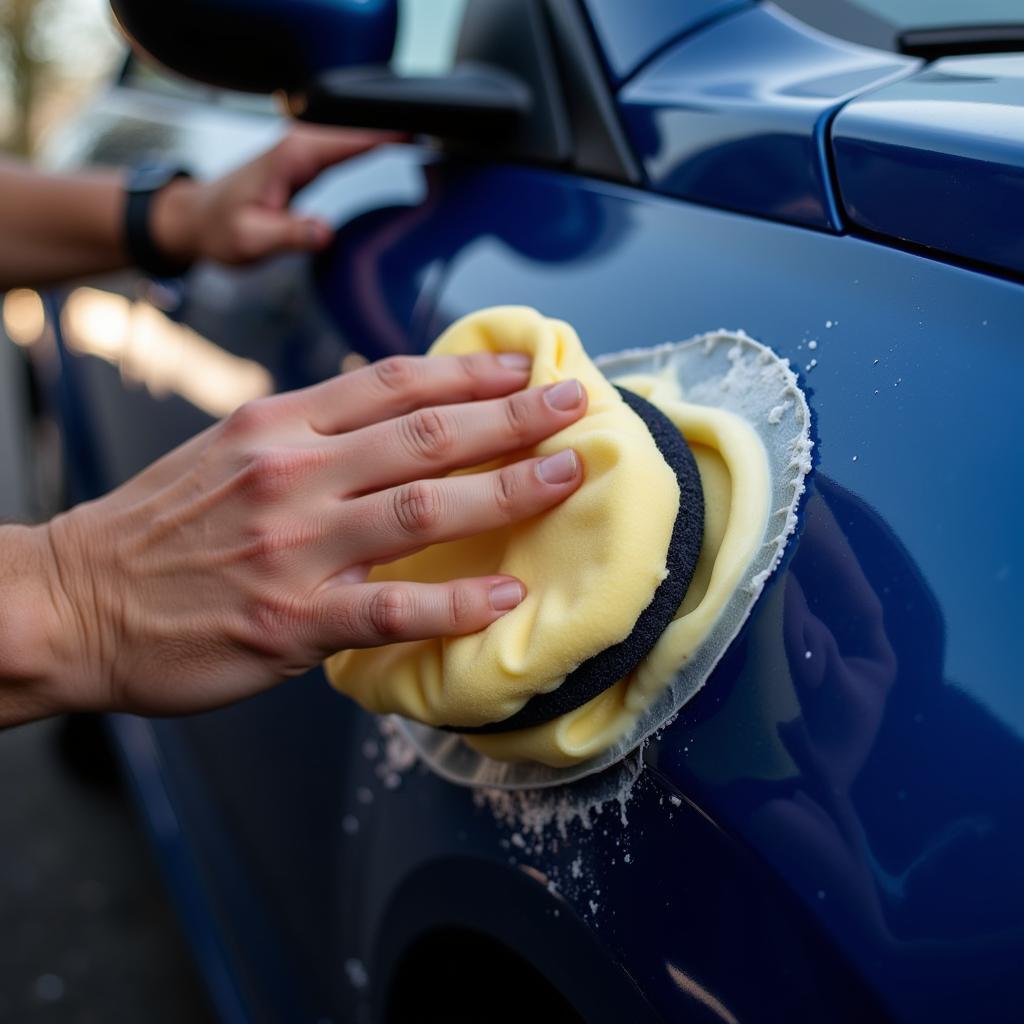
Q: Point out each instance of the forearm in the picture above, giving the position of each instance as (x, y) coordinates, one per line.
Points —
(57, 227)
(54, 227)
(28, 680)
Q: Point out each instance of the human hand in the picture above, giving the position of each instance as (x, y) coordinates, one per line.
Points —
(241, 557)
(244, 216)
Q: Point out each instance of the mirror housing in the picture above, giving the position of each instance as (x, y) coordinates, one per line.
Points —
(473, 102)
(329, 59)
(260, 45)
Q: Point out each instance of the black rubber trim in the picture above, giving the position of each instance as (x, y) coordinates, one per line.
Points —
(606, 668)
(600, 147)
(961, 40)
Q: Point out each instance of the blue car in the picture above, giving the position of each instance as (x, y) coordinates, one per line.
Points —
(827, 839)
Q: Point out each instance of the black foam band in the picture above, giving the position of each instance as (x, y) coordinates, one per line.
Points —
(606, 668)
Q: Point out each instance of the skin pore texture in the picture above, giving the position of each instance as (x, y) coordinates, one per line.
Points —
(568, 557)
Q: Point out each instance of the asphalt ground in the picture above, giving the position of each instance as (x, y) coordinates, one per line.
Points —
(87, 935)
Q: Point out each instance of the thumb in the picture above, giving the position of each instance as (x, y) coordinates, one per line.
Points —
(263, 232)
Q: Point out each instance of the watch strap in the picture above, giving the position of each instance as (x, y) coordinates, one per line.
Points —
(141, 189)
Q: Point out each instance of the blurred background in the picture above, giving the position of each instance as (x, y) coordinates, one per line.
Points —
(52, 54)
(88, 935)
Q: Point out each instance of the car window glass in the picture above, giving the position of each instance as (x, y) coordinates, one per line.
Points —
(882, 23)
(428, 31)
(906, 14)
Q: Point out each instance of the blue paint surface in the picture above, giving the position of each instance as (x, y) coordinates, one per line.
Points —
(938, 160)
(629, 34)
(830, 830)
(734, 115)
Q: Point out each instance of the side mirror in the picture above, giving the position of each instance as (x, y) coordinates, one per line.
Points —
(472, 102)
(329, 59)
(260, 46)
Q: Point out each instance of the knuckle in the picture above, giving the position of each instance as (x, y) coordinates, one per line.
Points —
(265, 548)
(249, 418)
(461, 606)
(507, 488)
(519, 413)
(429, 434)
(396, 373)
(474, 367)
(269, 475)
(274, 616)
(389, 612)
(418, 507)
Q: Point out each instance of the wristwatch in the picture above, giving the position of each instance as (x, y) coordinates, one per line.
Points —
(144, 181)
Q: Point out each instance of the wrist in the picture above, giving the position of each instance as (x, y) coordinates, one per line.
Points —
(31, 680)
(81, 629)
(174, 220)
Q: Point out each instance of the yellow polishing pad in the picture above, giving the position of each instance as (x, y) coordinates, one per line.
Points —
(615, 528)
(590, 566)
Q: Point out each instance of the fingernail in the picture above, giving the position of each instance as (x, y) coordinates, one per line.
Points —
(564, 396)
(505, 596)
(515, 360)
(558, 469)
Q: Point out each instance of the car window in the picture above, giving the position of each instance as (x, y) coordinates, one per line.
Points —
(428, 31)
(904, 14)
(882, 23)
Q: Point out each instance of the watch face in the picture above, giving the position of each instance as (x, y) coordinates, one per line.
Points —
(148, 177)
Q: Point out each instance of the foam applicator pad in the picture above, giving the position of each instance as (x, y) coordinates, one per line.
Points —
(591, 565)
(747, 424)
(607, 667)
(601, 650)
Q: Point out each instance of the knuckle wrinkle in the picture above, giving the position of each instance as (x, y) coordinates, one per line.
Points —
(389, 612)
(417, 508)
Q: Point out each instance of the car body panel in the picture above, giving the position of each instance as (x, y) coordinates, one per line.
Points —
(832, 837)
(938, 160)
(735, 115)
(828, 769)
(630, 34)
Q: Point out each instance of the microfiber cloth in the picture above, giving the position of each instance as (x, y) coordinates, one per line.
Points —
(611, 610)
(607, 667)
